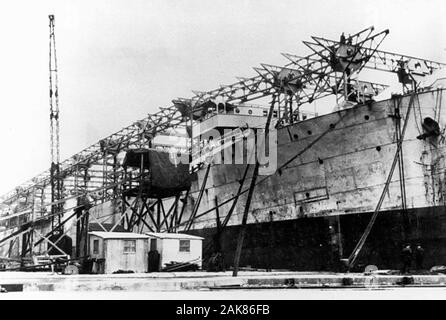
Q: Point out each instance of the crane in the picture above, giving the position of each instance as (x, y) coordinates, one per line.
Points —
(55, 179)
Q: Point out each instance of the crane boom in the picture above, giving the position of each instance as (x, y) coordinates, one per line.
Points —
(55, 180)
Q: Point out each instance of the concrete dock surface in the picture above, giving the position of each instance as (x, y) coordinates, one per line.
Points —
(211, 281)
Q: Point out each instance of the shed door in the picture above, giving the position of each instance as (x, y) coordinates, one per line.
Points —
(152, 244)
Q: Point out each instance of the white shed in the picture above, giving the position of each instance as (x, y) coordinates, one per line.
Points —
(177, 247)
(115, 251)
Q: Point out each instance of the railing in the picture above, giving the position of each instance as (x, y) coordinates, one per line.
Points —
(211, 148)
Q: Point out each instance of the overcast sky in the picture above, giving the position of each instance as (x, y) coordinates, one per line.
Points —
(121, 59)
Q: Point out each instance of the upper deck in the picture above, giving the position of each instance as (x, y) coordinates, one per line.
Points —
(242, 116)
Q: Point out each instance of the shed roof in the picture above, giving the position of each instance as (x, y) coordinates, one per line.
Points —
(118, 235)
(93, 226)
(166, 235)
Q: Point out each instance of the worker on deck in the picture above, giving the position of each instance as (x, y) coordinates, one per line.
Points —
(406, 255)
(342, 40)
(419, 256)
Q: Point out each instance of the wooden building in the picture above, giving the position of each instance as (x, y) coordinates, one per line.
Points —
(119, 251)
(176, 247)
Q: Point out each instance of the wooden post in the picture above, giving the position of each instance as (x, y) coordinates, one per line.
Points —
(242, 233)
(85, 224)
(197, 204)
(234, 203)
(399, 140)
(271, 241)
(158, 215)
(79, 231)
(25, 243)
(341, 249)
(217, 241)
(178, 220)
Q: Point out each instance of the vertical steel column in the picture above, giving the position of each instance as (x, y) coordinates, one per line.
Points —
(56, 186)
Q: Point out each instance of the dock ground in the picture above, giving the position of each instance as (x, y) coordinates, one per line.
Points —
(221, 285)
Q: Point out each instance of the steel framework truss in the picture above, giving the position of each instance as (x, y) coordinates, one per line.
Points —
(95, 176)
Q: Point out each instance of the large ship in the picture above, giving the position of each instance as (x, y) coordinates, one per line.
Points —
(332, 171)
(307, 189)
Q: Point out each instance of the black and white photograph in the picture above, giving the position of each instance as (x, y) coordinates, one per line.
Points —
(223, 150)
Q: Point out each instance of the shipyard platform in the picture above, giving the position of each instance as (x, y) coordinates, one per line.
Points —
(206, 281)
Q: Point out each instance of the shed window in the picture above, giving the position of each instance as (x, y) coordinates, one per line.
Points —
(184, 245)
(96, 246)
(129, 246)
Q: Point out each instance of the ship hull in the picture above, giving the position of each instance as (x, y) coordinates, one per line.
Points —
(332, 172)
(319, 244)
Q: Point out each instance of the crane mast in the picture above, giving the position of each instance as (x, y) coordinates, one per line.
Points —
(55, 179)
